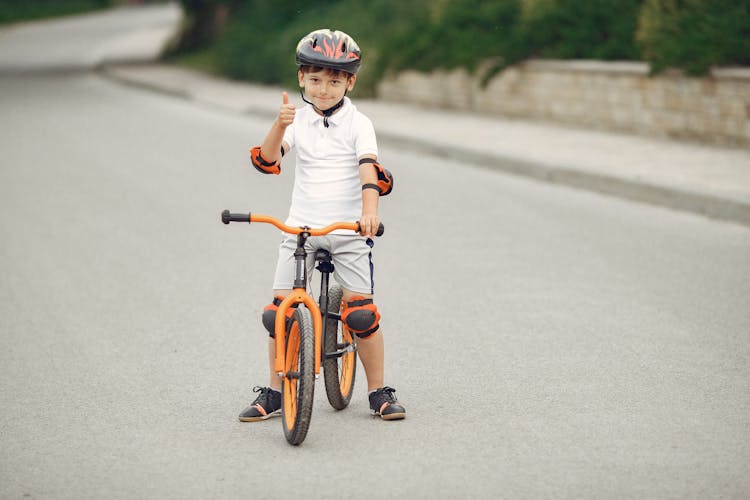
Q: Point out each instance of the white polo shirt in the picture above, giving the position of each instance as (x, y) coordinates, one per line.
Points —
(327, 188)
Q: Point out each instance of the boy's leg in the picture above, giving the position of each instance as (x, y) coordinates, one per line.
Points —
(268, 402)
(274, 380)
(371, 351)
(354, 271)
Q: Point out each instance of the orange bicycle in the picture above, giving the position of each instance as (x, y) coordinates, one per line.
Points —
(302, 345)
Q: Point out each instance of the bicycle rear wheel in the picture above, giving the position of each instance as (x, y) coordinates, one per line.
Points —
(339, 354)
(298, 382)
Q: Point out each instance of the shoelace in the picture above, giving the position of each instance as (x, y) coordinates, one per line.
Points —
(262, 399)
(387, 394)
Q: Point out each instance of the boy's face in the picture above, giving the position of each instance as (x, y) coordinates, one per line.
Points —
(325, 88)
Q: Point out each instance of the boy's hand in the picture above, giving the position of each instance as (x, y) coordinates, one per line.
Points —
(287, 111)
(368, 225)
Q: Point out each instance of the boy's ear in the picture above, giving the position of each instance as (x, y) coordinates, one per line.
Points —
(301, 78)
(352, 81)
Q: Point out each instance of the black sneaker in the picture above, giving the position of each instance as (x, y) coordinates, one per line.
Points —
(384, 404)
(266, 405)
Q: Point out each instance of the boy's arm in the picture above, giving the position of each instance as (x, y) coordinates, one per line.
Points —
(271, 147)
(370, 220)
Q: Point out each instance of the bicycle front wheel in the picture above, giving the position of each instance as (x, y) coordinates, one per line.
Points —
(298, 382)
(339, 354)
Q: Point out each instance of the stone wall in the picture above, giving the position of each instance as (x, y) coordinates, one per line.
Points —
(609, 95)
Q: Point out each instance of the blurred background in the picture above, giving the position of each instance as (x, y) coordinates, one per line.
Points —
(425, 35)
(662, 64)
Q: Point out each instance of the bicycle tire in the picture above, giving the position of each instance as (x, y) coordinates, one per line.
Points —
(298, 381)
(338, 372)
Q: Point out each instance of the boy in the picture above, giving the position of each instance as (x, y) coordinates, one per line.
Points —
(337, 178)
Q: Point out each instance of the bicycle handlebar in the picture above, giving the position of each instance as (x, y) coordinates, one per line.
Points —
(227, 217)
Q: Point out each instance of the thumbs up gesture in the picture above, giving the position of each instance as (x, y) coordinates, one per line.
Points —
(287, 111)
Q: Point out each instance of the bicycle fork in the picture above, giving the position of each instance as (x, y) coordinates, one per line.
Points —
(298, 295)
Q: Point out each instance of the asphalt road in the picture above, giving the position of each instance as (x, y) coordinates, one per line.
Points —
(547, 342)
(80, 42)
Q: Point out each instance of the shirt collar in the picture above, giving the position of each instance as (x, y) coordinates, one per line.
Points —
(334, 119)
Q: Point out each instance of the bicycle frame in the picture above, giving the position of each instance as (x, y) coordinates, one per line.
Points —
(298, 364)
(299, 293)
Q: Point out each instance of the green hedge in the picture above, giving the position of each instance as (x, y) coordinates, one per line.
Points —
(257, 43)
(576, 29)
(25, 10)
(695, 34)
(468, 32)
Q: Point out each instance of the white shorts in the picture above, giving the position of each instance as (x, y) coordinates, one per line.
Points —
(351, 256)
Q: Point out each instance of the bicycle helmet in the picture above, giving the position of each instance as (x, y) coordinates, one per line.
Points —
(329, 49)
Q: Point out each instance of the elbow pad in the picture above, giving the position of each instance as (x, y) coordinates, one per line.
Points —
(261, 164)
(385, 178)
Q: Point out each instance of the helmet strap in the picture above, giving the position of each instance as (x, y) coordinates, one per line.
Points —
(326, 113)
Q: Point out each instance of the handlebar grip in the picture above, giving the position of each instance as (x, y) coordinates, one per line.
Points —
(379, 232)
(227, 217)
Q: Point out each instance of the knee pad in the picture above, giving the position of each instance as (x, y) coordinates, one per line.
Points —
(269, 315)
(361, 316)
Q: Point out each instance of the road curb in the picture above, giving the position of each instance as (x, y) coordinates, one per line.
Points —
(634, 190)
(109, 71)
